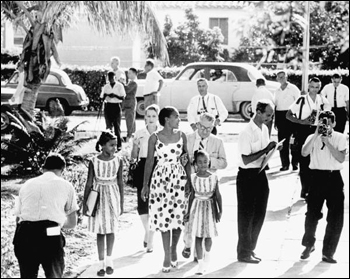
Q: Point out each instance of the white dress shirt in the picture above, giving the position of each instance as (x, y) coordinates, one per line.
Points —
(213, 104)
(261, 93)
(323, 159)
(141, 138)
(117, 89)
(152, 82)
(285, 98)
(46, 197)
(251, 140)
(342, 94)
(309, 106)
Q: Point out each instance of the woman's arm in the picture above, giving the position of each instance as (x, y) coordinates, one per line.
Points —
(135, 151)
(88, 186)
(121, 185)
(148, 167)
(187, 166)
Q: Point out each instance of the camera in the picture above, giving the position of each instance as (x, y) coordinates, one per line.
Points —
(325, 128)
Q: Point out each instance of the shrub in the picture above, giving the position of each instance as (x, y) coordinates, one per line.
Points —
(10, 56)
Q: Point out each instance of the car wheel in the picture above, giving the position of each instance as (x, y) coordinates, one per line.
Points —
(246, 109)
(140, 107)
(5, 122)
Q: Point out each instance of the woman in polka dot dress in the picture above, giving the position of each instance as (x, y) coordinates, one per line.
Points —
(170, 181)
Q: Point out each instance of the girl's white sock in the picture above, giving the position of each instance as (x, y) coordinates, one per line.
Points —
(109, 261)
(101, 265)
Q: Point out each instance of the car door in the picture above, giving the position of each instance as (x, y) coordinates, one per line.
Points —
(184, 87)
(223, 83)
(49, 89)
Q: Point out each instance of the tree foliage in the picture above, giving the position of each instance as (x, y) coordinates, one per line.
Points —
(274, 33)
(43, 22)
(188, 42)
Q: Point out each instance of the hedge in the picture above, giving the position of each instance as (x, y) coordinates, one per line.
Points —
(10, 56)
(92, 79)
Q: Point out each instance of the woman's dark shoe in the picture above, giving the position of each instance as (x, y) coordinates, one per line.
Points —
(186, 252)
(144, 244)
(101, 272)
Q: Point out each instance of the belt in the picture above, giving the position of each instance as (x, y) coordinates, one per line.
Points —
(202, 198)
(249, 170)
(42, 223)
(108, 182)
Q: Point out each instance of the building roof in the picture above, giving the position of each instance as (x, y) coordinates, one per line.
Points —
(201, 4)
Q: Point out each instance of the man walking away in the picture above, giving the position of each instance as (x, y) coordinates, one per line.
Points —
(45, 204)
(153, 84)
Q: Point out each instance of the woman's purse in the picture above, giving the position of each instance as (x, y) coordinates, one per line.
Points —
(92, 202)
(131, 173)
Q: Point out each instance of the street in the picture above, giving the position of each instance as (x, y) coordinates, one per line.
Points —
(279, 243)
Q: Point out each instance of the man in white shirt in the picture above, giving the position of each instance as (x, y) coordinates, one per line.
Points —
(206, 102)
(115, 63)
(327, 150)
(45, 204)
(337, 95)
(252, 184)
(202, 139)
(113, 94)
(153, 84)
(285, 96)
(262, 93)
(303, 112)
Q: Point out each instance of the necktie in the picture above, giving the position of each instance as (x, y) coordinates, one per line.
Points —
(201, 145)
(335, 97)
(204, 107)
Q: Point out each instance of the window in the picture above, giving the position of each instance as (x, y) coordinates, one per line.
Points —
(51, 79)
(192, 74)
(222, 23)
(222, 75)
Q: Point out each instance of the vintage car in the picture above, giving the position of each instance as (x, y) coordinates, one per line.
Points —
(57, 85)
(234, 83)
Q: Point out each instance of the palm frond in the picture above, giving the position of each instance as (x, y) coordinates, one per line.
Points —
(75, 128)
(66, 150)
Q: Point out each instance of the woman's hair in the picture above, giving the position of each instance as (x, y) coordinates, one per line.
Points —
(104, 138)
(165, 112)
(200, 153)
(153, 107)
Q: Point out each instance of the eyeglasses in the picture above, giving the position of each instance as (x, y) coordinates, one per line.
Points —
(203, 128)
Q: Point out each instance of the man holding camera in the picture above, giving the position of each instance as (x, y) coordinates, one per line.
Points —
(206, 102)
(327, 149)
(303, 113)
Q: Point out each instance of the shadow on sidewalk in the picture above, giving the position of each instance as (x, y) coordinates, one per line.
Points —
(285, 213)
(296, 271)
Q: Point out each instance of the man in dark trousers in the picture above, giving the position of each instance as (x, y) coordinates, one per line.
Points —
(285, 96)
(337, 95)
(252, 184)
(45, 204)
(129, 103)
(327, 150)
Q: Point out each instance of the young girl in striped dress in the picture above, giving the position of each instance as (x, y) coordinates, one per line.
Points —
(106, 176)
(202, 221)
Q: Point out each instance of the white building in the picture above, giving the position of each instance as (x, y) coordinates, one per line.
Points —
(82, 45)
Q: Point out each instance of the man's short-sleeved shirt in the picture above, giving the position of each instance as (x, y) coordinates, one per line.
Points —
(285, 98)
(342, 94)
(309, 105)
(117, 89)
(251, 140)
(322, 159)
(46, 197)
(152, 82)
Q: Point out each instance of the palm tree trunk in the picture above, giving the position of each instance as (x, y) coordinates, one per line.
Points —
(29, 98)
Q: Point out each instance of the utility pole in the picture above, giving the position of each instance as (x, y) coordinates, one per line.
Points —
(306, 49)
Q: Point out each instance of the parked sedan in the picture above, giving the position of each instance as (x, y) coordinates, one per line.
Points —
(57, 85)
(234, 83)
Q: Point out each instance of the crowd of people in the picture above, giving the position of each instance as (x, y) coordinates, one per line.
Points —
(176, 174)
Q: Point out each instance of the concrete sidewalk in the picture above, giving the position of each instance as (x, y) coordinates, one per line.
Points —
(279, 243)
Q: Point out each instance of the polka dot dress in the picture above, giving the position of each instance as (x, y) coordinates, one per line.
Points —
(167, 201)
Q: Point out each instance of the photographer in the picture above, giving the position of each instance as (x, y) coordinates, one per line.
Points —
(327, 150)
(303, 113)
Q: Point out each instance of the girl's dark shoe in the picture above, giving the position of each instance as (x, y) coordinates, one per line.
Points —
(109, 270)
(101, 272)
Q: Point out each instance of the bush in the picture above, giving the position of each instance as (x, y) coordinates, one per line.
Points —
(295, 77)
(10, 56)
(7, 71)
